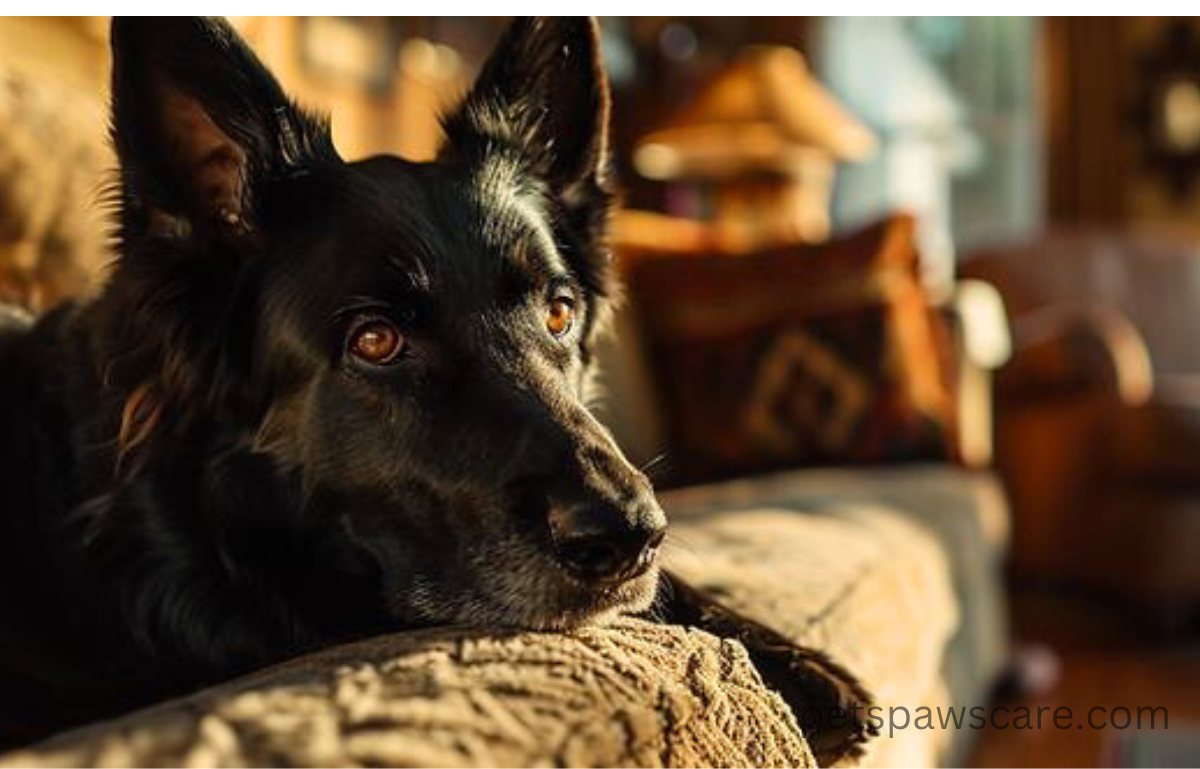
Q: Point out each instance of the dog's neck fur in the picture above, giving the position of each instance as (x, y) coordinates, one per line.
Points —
(139, 582)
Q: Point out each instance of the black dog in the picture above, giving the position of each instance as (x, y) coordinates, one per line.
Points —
(321, 399)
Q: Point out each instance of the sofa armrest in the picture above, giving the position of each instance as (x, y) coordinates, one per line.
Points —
(631, 694)
(1064, 349)
(978, 309)
(828, 559)
(983, 343)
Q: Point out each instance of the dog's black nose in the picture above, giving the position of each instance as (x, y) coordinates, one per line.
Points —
(599, 549)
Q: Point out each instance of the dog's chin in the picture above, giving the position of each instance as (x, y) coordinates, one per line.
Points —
(553, 601)
(599, 605)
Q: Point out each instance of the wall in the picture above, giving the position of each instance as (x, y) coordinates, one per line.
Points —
(401, 118)
(1097, 172)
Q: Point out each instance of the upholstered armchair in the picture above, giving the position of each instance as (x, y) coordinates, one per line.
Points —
(1099, 413)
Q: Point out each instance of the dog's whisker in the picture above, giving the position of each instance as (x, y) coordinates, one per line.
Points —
(678, 547)
(675, 538)
(653, 462)
(680, 552)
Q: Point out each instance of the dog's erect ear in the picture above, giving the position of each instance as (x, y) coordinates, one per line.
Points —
(542, 99)
(199, 125)
(543, 93)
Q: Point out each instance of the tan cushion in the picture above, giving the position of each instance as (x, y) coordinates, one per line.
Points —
(864, 583)
(634, 694)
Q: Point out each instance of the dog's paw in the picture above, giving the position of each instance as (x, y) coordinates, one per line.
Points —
(829, 703)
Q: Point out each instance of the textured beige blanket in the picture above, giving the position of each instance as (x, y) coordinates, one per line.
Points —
(630, 694)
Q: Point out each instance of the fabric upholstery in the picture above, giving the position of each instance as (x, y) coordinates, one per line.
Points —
(865, 584)
(634, 694)
(923, 514)
(53, 158)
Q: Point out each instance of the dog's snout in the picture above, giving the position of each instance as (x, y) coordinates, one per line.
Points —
(604, 524)
(596, 544)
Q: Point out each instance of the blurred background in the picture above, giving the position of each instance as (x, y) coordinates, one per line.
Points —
(866, 243)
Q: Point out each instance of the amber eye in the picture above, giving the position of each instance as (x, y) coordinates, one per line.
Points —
(560, 317)
(377, 342)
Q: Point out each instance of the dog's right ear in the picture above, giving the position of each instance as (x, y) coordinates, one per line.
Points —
(200, 127)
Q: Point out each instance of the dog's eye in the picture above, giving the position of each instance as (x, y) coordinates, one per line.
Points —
(377, 342)
(561, 316)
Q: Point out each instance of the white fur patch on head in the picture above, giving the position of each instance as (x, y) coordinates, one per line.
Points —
(511, 202)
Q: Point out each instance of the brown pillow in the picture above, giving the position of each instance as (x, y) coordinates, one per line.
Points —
(799, 356)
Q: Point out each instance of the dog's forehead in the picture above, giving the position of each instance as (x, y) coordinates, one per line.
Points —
(475, 222)
(511, 207)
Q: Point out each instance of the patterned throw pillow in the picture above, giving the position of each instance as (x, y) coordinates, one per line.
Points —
(808, 355)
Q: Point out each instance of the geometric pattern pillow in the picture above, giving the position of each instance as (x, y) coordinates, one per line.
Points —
(806, 355)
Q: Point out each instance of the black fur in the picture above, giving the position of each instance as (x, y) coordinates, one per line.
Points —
(199, 477)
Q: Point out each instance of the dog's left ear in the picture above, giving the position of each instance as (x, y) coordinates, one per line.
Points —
(543, 97)
(544, 94)
(542, 100)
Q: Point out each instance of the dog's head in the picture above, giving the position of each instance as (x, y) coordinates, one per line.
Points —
(409, 341)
